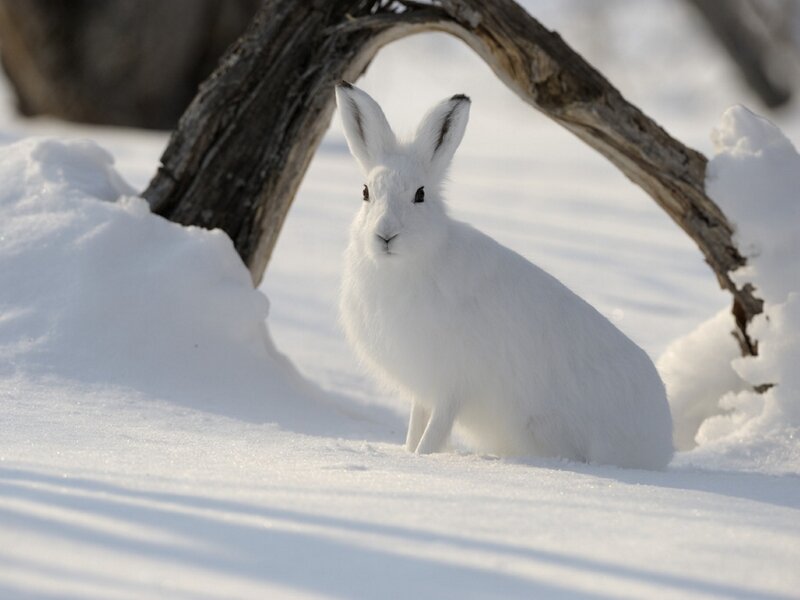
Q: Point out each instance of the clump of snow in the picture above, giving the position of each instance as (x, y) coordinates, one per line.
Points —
(96, 289)
(755, 179)
(696, 383)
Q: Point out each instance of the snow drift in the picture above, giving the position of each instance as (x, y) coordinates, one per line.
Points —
(96, 289)
(755, 179)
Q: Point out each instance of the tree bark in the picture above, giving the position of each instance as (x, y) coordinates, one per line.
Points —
(243, 145)
(241, 149)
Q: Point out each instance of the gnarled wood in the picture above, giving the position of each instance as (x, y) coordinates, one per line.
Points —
(242, 147)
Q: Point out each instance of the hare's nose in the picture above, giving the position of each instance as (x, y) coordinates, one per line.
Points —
(386, 240)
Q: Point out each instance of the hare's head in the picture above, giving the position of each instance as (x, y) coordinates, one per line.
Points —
(402, 213)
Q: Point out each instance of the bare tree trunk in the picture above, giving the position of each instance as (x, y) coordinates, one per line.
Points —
(758, 53)
(243, 146)
(118, 62)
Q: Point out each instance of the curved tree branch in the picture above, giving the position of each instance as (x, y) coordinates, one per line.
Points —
(243, 145)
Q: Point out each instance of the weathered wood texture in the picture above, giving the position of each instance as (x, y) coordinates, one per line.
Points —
(242, 147)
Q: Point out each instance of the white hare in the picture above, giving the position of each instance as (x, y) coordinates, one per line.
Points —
(471, 331)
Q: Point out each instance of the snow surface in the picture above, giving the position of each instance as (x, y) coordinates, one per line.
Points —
(133, 464)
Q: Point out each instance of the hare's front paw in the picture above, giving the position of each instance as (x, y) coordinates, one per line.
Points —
(438, 430)
(416, 425)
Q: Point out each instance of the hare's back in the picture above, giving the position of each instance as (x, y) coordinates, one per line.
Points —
(548, 349)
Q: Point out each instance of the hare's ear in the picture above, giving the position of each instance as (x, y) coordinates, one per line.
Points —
(365, 126)
(441, 131)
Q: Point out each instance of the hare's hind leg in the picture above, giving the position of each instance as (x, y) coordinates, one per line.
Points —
(439, 427)
(416, 425)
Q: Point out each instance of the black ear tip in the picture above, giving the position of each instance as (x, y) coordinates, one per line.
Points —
(461, 98)
(345, 84)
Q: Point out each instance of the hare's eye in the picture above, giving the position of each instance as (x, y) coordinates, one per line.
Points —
(420, 195)
(365, 193)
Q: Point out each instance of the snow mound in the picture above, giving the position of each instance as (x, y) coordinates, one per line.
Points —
(755, 179)
(96, 290)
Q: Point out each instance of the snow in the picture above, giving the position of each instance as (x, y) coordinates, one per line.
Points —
(158, 504)
(133, 464)
(102, 291)
(755, 179)
(697, 371)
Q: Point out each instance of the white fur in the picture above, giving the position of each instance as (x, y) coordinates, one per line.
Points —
(471, 331)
